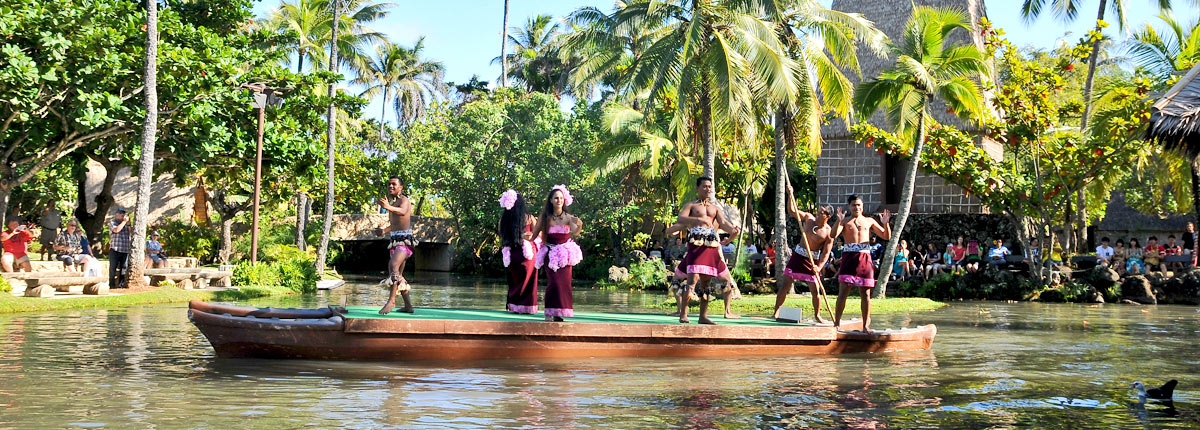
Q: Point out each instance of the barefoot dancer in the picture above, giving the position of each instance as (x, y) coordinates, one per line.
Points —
(703, 260)
(518, 252)
(857, 269)
(681, 278)
(402, 242)
(800, 265)
(559, 254)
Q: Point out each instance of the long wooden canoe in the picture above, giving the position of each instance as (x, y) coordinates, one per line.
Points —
(357, 333)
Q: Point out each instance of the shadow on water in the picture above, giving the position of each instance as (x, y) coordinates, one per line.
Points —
(993, 365)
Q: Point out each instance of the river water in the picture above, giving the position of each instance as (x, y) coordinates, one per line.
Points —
(993, 365)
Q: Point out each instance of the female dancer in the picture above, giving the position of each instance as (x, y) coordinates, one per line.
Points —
(518, 251)
(556, 227)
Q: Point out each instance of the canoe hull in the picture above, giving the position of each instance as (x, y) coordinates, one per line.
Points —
(336, 338)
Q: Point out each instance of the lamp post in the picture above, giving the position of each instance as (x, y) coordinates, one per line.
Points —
(264, 96)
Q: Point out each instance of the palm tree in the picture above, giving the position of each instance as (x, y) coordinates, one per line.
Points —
(600, 52)
(406, 80)
(535, 61)
(925, 68)
(331, 142)
(1068, 11)
(821, 40)
(643, 150)
(146, 165)
(504, 47)
(1172, 52)
(309, 24)
(714, 59)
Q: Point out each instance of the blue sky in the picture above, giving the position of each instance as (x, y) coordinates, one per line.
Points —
(465, 34)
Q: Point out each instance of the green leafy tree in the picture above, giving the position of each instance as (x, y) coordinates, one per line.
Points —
(926, 67)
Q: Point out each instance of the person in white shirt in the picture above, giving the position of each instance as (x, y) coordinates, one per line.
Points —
(751, 249)
(1104, 253)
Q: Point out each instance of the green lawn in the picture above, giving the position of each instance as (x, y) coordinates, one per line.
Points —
(12, 304)
(764, 305)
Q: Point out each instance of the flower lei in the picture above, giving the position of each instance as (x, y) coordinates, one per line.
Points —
(508, 199)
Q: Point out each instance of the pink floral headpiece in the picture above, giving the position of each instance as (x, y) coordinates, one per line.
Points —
(508, 199)
(567, 199)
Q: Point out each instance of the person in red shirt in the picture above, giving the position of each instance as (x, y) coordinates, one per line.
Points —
(1154, 255)
(16, 247)
(960, 253)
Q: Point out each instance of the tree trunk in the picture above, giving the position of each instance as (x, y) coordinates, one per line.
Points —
(1196, 190)
(137, 248)
(906, 195)
(92, 223)
(781, 180)
(1080, 220)
(737, 252)
(383, 112)
(705, 123)
(417, 209)
(323, 248)
(301, 219)
(4, 194)
(226, 238)
(504, 49)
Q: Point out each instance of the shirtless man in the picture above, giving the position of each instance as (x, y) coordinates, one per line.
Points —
(857, 269)
(800, 265)
(681, 277)
(703, 260)
(402, 242)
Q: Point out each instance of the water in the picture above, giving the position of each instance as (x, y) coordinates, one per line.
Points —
(993, 365)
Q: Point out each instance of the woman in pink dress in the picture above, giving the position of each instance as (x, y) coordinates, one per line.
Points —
(559, 253)
(518, 252)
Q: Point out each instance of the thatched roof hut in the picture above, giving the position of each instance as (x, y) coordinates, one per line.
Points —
(1175, 119)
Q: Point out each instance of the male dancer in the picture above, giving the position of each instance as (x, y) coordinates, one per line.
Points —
(703, 260)
(681, 279)
(800, 265)
(399, 212)
(857, 269)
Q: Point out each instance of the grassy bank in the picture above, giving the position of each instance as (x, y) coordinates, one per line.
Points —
(764, 305)
(12, 304)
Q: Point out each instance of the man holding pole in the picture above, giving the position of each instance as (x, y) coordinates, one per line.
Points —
(816, 245)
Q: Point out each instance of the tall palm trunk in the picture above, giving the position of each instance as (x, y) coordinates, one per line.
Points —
(146, 165)
(781, 181)
(504, 49)
(331, 139)
(301, 197)
(705, 124)
(1081, 196)
(383, 112)
(906, 196)
(1196, 190)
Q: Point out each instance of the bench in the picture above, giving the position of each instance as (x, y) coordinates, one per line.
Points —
(45, 287)
(21, 276)
(191, 278)
(759, 266)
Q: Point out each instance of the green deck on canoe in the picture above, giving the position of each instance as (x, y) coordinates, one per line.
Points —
(580, 317)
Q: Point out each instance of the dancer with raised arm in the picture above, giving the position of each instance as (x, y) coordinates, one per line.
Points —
(857, 269)
(817, 245)
(559, 253)
(703, 260)
(518, 252)
(400, 248)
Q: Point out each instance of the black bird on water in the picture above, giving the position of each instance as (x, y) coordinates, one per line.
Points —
(1161, 393)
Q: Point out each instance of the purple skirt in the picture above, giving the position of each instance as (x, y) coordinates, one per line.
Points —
(857, 269)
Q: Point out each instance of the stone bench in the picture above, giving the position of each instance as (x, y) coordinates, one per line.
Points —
(21, 276)
(191, 278)
(45, 287)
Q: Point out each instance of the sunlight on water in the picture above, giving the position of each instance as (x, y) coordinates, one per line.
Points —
(993, 365)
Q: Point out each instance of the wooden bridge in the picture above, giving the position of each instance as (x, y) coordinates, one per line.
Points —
(358, 234)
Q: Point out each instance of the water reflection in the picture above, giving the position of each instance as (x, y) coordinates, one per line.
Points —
(994, 365)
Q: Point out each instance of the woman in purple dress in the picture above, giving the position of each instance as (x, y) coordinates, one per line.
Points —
(518, 252)
(559, 253)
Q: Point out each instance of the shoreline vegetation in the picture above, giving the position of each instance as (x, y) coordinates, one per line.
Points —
(162, 295)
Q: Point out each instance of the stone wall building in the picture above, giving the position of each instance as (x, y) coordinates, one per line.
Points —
(848, 167)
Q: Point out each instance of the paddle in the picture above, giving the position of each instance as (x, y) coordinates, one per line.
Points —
(820, 284)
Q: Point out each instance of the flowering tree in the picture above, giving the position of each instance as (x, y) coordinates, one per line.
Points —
(1043, 163)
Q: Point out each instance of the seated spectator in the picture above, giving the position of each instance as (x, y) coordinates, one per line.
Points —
(960, 253)
(91, 266)
(974, 256)
(1172, 248)
(751, 249)
(771, 256)
(949, 264)
(1189, 242)
(997, 254)
(69, 246)
(1135, 263)
(933, 261)
(16, 247)
(727, 247)
(1055, 256)
(901, 266)
(155, 257)
(1104, 253)
(1154, 255)
(876, 251)
(916, 262)
(1120, 255)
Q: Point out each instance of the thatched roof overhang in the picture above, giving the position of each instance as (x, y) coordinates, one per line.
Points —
(1175, 118)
